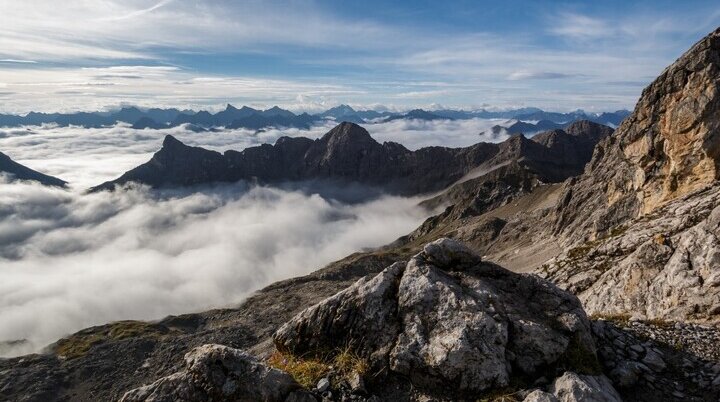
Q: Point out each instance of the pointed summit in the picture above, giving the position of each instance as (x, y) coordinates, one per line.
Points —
(348, 132)
(172, 142)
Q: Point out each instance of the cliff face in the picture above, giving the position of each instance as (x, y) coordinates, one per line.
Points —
(672, 139)
(669, 147)
(640, 226)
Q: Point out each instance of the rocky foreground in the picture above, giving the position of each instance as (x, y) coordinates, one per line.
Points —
(445, 324)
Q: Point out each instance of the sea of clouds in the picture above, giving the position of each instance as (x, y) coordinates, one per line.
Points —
(69, 259)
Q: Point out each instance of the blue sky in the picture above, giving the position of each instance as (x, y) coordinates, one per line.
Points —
(310, 55)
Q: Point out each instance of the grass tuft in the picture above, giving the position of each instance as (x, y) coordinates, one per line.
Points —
(307, 371)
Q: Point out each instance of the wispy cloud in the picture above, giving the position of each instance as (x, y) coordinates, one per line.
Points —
(537, 75)
(16, 61)
(580, 26)
(326, 57)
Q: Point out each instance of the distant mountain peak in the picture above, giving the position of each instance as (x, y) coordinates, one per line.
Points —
(350, 131)
(172, 142)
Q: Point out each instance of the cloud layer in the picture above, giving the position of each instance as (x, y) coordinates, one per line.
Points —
(70, 260)
(88, 157)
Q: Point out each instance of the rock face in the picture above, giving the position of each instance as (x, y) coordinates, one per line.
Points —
(349, 153)
(20, 172)
(640, 226)
(666, 265)
(668, 148)
(445, 318)
(219, 373)
(519, 167)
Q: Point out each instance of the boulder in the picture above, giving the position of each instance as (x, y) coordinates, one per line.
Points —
(572, 387)
(446, 318)
(215, 372)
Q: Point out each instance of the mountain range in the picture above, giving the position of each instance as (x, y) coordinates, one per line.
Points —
(582, 264)
(255, 119)
(348, 153)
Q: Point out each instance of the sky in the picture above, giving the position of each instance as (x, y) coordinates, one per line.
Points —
(311, 55)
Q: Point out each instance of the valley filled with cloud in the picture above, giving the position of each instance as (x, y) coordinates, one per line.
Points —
(72, 259)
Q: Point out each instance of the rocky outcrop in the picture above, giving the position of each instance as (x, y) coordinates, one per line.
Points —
(572, 387)
(445, 318)
(219, 373)
(16, 171)
(665, 265)
(668, 148)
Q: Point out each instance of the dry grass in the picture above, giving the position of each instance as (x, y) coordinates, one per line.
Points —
(500, 396)
(307, 371)
(619, 319)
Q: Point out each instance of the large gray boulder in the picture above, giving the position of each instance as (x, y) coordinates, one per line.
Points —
(220, 373)
(571, 387)
(447, 318)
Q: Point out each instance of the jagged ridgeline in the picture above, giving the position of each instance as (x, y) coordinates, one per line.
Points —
(256, 119)
(348, 153)
(623, 301)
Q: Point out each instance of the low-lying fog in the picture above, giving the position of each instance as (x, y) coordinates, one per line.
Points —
(69, 260)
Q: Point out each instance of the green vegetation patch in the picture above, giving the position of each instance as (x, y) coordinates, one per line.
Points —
(78, 344)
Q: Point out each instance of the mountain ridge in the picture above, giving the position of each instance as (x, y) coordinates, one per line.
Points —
(349, 153)
(21, 172)
(256, 119)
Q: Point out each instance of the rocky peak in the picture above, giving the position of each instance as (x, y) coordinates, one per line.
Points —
(347, 132)
(672, 139)
(170, 142)
(667, 148)
(588, 129)
(21, 172)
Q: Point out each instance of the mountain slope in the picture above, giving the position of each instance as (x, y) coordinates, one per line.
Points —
(20, 172)
(640, 226)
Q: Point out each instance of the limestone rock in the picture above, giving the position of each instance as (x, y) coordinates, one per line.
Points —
(630, 272)
(668, 148)
(540, 396)
(363, 315)
(572, 387)
(215, 372)
(446, 318)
